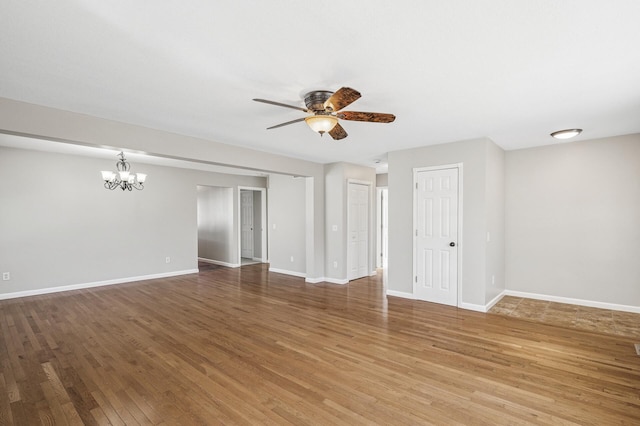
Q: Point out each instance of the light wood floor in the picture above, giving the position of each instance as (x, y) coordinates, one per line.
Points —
(245, 346)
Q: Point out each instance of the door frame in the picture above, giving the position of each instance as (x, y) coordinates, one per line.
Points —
(382, 237)
(245, 250)
(416, 170)
(369, 185)
(263, 218)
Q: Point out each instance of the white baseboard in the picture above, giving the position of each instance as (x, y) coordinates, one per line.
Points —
(284, 271)
(495, 300)
(327, 280)
(49, 290)
(545, 297)
(340, 281)
(373, 273)
(463, 305)
(468, 306)
(401, 294)
(571, 301)
(219, 262)
(473, 307)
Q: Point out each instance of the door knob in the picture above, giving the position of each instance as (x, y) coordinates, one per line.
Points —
(452, 244)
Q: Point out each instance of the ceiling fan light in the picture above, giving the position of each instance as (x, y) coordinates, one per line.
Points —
(566, 134)
(321, 123)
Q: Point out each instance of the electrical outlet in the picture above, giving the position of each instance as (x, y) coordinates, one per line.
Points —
(292, 258)
(493, 279)
(335, 264)
(6, 276)
(334, 228)
(167, 260)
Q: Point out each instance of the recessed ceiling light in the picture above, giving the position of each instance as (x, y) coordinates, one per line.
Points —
(566, 134)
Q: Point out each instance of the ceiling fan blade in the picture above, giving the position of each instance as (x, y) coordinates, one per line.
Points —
(264, 101)
(337, 132)
(340, 99)
(372, 117)
(287, 123)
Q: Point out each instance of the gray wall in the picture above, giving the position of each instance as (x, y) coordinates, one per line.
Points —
(216, 240)
(60, 227)
(335, 203)
(287, 223)
(50, 123)
(495, 217)
(573, 220)
(382, 180)
(477, 213)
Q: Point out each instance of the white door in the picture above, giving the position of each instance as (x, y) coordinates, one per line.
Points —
(358, 262)
(246, 219)
(385, 227)
(436, 236)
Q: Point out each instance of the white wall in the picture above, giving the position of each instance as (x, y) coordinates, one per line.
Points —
(573, 220)
(473, 155)
(216, 240)
(287, 224)
(60, 227)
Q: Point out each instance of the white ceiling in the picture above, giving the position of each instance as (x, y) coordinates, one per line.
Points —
(513, 71)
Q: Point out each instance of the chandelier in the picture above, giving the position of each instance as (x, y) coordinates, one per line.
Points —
(123, 178)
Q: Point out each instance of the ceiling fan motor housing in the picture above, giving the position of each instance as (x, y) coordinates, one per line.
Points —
(315, 100)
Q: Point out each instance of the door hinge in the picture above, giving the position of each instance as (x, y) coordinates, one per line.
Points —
(416, 185)
(416, 278)
(416, 232)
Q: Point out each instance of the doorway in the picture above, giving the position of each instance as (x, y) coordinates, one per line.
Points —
(382, 231)
(252, 221)
(215, 224)
(436, 238)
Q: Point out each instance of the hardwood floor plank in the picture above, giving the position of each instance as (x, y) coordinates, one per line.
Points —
(108, 410)
(245, 346)
(55, 403)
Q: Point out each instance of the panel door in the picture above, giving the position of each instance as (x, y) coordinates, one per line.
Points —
(436, 236)
(246, 224)
(358, 244)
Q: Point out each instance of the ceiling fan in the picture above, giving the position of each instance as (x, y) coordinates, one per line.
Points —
(325, 108)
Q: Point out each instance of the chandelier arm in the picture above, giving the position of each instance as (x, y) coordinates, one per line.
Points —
(111, 185)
